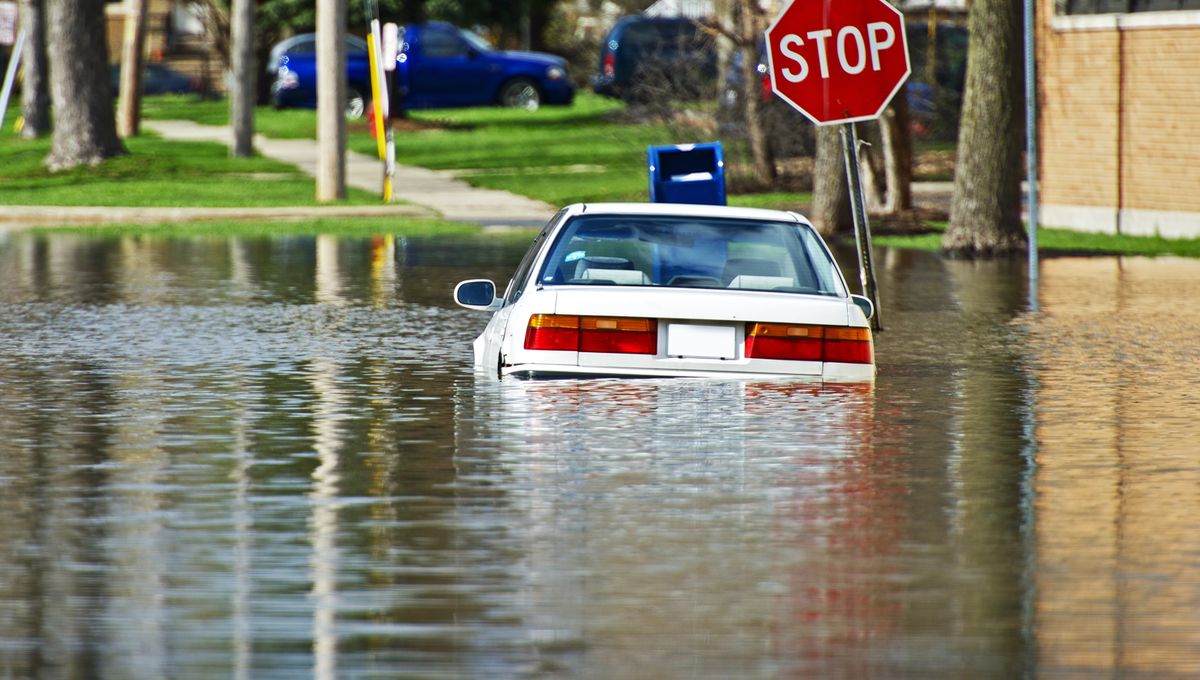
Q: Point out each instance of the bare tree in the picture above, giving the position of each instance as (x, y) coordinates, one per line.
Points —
(35, 83)
(216, 28)
(243, 86)
(896, 133)
(751, 24)
(85, 131)
(129, 101)
(743, 23)
(985, 213)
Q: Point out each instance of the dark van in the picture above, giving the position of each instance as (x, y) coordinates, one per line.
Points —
(645, 57)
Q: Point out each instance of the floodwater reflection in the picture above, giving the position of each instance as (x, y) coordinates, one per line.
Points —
(270, 457)
(1118, 468)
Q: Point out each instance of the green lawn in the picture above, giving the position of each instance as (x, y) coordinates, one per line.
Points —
(585, 152)
(283, 124)
(1065, 242)
(155, 173)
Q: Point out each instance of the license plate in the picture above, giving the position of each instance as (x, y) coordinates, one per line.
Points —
(701, 342)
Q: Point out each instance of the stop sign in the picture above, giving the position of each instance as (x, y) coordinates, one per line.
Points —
(838, 61)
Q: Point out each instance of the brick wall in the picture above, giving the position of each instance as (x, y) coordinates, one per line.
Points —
(1120, 111)
(1161, 120)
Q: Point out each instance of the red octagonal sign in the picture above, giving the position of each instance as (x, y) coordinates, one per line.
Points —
(838, 61)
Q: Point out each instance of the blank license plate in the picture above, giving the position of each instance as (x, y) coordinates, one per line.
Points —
(704, 342)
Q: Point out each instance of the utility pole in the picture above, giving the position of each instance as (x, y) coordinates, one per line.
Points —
(331, 100)
(241, 58)
(129, 109)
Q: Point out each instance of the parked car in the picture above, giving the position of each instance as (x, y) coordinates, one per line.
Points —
(439, 66)
(159, 79)
(645, 57)
(661, 289)
(293, 66)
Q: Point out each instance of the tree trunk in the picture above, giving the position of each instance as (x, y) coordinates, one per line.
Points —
(331, 100)
(896, 132)
(243, 70)
(831, 199)
(129, 101)
(756, 135)
(85, 130)
(35, 84)
(760, 148)
(870, 162)
(985, 213)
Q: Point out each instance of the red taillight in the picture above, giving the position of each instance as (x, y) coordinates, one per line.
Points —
(848, 345)
(610, 64)
(612, 335)
(851, 345)
(552, 332)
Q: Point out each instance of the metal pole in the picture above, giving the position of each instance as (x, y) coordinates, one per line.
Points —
(862, 228)
(10, 74)
(331, 100)
(1031, 146)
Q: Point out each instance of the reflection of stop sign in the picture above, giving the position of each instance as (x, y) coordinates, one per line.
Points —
(838, 61)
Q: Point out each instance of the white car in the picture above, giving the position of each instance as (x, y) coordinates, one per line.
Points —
(657, 289)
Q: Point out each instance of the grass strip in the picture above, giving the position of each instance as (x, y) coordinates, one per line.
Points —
(332, 226)
(1053, 241)
(157, 173)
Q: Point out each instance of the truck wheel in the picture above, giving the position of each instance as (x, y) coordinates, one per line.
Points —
(356, 104)
(521, 93)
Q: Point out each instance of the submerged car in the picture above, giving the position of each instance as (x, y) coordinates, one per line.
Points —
(656, 289)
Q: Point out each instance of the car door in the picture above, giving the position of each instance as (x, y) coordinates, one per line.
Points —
(449, 71)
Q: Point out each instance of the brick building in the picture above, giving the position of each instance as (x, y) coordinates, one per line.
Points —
(1119, 90)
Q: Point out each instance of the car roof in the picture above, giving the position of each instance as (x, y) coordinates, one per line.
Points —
(686, 210)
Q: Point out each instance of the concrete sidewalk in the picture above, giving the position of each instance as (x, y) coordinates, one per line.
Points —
(439, 192)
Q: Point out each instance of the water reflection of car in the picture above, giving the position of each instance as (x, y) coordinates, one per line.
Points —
(160, 79)
(643, 57)
(439, 66)
(674, 290)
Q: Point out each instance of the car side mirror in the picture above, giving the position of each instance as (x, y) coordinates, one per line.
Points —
(477, 294)
(865, 305)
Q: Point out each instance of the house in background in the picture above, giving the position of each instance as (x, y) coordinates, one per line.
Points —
(175, 37)
(1119, 96)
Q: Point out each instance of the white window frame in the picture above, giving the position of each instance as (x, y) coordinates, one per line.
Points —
(1126, 20)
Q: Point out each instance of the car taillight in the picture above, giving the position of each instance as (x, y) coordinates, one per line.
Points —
(844, 344)
(610, 64)
(552, 332)
(614, 335)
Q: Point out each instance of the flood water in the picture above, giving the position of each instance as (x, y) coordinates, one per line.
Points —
(270, 458)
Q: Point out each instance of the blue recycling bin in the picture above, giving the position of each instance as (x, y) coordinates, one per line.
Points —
(687, 173)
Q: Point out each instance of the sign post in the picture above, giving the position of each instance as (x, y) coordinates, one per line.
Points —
(839, 62)
(10, 75)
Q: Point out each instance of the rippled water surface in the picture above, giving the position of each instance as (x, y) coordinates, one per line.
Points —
(254, 457)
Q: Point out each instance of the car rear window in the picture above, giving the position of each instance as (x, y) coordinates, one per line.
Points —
(690, 253)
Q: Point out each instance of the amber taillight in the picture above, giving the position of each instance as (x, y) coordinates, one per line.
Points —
(843, 344)
(614, 335)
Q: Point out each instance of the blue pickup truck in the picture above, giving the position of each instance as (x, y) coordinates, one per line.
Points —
(438, 66)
